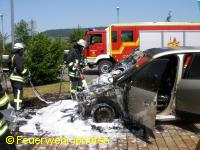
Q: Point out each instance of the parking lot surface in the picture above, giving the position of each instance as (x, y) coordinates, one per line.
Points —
(168, 136)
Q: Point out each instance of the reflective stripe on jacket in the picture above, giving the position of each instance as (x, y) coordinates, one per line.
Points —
(73, 68)
(4, 100)
(3, 125)
(3, 129)
(16, 78)
(17, 68)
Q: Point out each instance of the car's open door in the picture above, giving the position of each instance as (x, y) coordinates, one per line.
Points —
(188, 99)
(142, 98)
(188, 91)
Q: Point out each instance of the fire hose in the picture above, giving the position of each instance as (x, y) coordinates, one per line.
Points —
(37, 93)
(13, 115)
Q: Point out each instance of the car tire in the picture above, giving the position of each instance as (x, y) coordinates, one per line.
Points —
(103, 113)
(105, 66)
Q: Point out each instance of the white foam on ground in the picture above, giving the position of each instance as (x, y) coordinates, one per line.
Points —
(53, 122)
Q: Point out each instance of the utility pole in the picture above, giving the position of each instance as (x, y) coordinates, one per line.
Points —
(3, 43)
(32, 26)
(12, 22)
(117, 14)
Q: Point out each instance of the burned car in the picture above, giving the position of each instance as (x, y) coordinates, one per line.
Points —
(155, 82)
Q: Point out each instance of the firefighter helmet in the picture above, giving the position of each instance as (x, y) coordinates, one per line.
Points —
(82, 43)
(18, 46)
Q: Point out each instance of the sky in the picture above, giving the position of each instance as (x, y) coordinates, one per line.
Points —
(61, 14)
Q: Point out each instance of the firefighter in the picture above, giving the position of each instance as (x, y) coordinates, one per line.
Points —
(4, 131)
(75, 62)
(18, 72)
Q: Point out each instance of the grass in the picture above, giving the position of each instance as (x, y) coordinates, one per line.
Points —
(52, 89)
(46, 89)
(49, 89)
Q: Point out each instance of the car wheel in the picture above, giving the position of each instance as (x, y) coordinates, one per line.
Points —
(103, 113)
(105, 66)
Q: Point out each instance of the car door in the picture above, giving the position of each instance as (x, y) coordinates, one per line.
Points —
(142, 98)
(188, 91)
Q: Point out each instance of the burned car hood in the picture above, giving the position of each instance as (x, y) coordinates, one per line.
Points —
(105, 82)
(119, 68)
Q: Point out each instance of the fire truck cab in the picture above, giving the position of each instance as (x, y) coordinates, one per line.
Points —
(109, 46)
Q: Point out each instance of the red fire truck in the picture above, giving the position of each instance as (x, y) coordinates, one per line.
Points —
(109, 46)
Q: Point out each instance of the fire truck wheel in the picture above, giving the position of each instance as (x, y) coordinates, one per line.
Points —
(105, 66)
(103, 113)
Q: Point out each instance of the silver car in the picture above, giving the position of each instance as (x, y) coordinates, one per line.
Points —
(163, 82)
(167, 84)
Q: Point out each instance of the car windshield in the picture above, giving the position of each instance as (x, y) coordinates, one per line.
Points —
(135, 56)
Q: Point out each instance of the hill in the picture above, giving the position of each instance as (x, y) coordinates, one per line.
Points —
(64, 33)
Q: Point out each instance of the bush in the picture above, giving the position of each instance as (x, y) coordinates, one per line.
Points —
(44, 57)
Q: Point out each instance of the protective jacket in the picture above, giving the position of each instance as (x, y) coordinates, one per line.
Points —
(4, 130)
(17, 68)
(4, 99)
(75, 61)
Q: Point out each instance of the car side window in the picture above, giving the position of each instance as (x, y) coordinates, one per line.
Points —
(186, 64)
(150, 76)
(193, 71)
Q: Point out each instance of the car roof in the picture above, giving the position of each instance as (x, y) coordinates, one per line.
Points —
(159, 52)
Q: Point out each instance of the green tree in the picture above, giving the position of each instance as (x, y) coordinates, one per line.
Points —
(68, 45)
(3, 37)
(22, 32)
(76, 34)
(44, 58)
(8, 48)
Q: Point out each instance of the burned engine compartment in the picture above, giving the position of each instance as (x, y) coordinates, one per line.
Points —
(104, 98)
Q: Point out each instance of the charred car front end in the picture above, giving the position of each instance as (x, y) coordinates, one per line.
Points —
(104, 98)
(156, 82)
